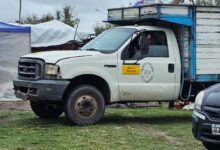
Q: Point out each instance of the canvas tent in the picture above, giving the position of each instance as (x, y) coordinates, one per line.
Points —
(14, 42)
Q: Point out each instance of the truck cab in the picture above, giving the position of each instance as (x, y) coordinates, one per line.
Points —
(123, 64)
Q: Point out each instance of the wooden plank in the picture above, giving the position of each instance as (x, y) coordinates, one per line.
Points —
(208, 9)
(208, 15)
(186, 49)
(208, 50)
(186, 60)
(207, 45)
(207, 41)
(208, 22)
(115, 14)
(131, 13)
(208, 36)
(204, 66)
(208, 29)
(148, 10)
(186, 38)
(208, 71)
(186, 54)
(170, 10)
(208, 55)
(208, 63)
(213, 60)
(186, 45)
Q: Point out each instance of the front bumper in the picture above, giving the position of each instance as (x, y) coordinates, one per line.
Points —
(202, 127)
(41, 90)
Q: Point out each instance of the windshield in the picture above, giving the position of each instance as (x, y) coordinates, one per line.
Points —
(110, 40)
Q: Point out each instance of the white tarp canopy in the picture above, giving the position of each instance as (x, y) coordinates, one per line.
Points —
(52, 33)
(14, 42)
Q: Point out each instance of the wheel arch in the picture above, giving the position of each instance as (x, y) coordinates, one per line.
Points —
(90, 79)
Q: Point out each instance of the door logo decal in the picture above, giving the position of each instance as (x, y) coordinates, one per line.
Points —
(147, 72)
(131, 69)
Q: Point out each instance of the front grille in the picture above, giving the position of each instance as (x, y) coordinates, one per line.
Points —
(212, 112)
(30, 69)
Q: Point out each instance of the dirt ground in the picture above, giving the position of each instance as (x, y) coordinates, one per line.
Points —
(14, 106)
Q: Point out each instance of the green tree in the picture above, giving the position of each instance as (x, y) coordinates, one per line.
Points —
(66, 15)
(30, 20)
(217, 2)
(47, 17)
(99, 28)
(58, 15)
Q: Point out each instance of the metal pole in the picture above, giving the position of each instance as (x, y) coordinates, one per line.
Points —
(20, 11)
(76, 29)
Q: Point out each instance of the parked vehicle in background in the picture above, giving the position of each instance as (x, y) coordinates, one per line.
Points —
(165, 54)
(206, 117)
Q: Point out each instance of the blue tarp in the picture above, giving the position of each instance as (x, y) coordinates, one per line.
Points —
(12, 28)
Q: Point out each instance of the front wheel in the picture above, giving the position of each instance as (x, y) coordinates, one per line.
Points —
(85, 105)
(211, 146)
(46, 110)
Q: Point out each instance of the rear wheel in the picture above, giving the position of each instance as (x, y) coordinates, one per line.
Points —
(211, 146)
(46, 110)
(85, 105)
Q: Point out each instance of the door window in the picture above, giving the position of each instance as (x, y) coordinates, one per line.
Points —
(147, 44)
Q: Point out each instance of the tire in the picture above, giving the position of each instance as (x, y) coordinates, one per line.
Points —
(46, 110)
(85, 105)
(211, 146)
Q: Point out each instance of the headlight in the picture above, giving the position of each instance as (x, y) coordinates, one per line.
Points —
(52, 71)
(198, 101)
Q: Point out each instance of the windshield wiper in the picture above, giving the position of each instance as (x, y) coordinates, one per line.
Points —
(92, 49)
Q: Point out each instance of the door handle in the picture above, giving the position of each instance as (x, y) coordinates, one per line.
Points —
(171, 68)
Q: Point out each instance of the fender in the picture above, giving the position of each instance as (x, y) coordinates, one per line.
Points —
(71, 68)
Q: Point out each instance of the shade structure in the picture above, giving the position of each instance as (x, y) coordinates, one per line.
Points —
(15, 41)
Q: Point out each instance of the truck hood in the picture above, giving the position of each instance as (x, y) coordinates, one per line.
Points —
(55, 56)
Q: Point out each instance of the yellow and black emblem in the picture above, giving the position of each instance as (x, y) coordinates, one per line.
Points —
(131, 69)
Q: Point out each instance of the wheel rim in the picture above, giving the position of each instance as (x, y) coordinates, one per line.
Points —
(86, 106)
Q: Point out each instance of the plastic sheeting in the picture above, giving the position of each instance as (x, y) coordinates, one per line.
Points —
(12, 45)
(51, 33)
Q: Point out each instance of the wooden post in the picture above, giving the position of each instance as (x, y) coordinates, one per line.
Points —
(171, 105)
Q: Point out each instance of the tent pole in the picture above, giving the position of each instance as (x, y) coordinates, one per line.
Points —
(20, 11)
(76, 29)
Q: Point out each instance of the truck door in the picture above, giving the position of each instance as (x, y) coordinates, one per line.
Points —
(147, 68)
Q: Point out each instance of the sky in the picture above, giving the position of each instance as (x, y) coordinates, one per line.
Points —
(85, 9)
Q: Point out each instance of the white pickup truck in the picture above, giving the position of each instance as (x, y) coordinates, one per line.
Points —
(139, 63)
